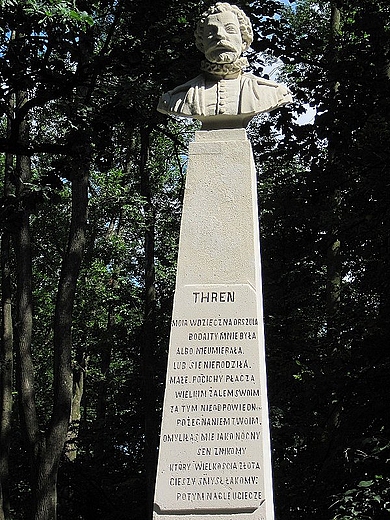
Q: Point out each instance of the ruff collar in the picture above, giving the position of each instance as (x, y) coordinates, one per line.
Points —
(224, 70)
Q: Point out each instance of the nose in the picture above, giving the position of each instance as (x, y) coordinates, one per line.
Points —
(220, 31)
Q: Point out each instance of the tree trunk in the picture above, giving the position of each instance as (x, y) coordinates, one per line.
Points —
(45, 482)
(49, 460)
(333, 259)
(6, 354)
(101, 405)
(149, 343)
(75, 415)
(6, 367)
(46, 449)
(24, 313)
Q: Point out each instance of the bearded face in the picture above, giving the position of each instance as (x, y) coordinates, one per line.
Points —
(222, 38)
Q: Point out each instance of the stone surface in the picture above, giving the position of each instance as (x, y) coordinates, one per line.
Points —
(223, 96)
(214, 459)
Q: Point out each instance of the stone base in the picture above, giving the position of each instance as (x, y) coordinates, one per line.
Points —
(214, 459)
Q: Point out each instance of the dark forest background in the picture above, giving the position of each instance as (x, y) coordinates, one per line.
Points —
(91, 186)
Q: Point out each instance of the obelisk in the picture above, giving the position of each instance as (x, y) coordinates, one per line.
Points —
(214, 458)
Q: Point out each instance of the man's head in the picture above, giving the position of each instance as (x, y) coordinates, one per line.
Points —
(223, 33)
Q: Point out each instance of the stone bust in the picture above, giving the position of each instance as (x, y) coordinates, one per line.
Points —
(223, 96)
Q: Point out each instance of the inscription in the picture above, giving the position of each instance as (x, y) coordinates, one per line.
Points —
(217, 421)
(214, 297)
(218, 364)
(228, 407)
(190, 394)
(182, 481)
(214, 378)
(223, 451)
(214, 401)
(191, 496)
(239, 465)
(184, 351)
(210, 350)
(221, 336)
(242, 480)
(230, 392)
(229, 481)
(178, 380)
(215, 322)
(214, 364)
(211, 436)
(180, 437)
(180, 466)
(194, 496)
(218, 450)
(207, 350)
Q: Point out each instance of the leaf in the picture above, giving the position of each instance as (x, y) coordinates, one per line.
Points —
(365, 483)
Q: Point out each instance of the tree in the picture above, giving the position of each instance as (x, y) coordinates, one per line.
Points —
(71, 75)
(330, 171)
(19, 70)
(79, 128)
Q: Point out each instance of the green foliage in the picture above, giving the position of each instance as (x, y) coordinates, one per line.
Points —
(93, 72)
(370, 499)
(49, 11)
(318, 180)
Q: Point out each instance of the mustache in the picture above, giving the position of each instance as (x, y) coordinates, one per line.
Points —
(225, 45)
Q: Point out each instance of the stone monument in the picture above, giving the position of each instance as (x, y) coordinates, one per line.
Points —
(214, 458)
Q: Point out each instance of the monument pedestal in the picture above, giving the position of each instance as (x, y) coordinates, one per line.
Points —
(214, 459)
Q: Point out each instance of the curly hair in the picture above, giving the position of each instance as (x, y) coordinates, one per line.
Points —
(220, 7)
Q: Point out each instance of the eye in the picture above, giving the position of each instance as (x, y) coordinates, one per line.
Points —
(231, 29)
(211, 31)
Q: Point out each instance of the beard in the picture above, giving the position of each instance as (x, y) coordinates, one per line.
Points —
(222, 53)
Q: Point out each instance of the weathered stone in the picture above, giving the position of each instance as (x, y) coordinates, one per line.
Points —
(223, 95)
(214, 458)
(214, 451)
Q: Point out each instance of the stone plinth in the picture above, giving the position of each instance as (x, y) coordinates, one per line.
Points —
(214, 459)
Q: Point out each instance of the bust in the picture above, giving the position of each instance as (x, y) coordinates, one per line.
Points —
(223, 95)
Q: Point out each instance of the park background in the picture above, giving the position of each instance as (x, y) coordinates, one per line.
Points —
(92, 181)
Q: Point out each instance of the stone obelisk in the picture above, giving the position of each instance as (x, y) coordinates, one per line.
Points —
(214, 457)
